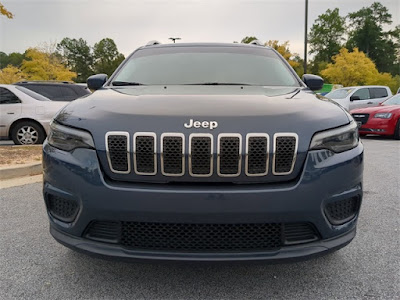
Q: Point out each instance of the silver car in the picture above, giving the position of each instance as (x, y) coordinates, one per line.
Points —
(25, 115)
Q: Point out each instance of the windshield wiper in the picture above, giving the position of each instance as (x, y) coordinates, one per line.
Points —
(217, 83)
(124, 83)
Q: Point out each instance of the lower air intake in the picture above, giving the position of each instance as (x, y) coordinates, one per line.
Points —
(342, 211)
(61, 208)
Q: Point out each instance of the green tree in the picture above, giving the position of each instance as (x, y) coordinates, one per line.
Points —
(77, 55)
(326, 36)
(106, 56)
(248, 39)
(366, 33)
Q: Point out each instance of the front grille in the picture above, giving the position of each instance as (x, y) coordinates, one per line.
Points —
(342, 211)
(61, 208)
(201, 154)
(284, 154)
(363, 118)
(229, 155)
(201, 237)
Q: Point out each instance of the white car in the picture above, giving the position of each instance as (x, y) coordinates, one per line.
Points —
(25, 115)
(360, 96)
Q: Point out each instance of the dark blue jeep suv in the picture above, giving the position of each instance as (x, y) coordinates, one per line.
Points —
(203, 152)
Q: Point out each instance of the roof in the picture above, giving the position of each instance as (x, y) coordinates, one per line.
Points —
(204, 45)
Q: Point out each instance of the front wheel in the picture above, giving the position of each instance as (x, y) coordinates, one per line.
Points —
(397, 130)
(27, 133)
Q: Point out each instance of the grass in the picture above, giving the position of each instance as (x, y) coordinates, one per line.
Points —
(17, 155)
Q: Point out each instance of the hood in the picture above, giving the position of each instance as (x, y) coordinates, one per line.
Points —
(236, 109)
(377, 109)
(131, 106)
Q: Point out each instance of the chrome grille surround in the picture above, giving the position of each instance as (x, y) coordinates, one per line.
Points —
(109, 151)
(291, 136)
(221, 154)
(284, 153)
(196, 136)
(256, 135)
(163, 154)
(135, 153)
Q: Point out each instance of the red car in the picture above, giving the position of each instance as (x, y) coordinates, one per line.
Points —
(383, 119)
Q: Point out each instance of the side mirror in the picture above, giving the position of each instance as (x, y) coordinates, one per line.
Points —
(95, 82)
(313, 82)
(352, 98)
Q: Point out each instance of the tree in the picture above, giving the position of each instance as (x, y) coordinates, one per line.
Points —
(106, 56)
(248, 39)
(366, 33)
(355, 68)
(5, 12)
(11, 74)
(77, 55)
(15, 59)
(326, 36)
(283, 50)
(43, 66)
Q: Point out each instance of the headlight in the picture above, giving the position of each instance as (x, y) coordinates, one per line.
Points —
(68, 139)
(383, 115)
(338, 140)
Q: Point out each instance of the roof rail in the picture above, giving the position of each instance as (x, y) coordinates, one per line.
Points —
(152, 43)
(256, 42)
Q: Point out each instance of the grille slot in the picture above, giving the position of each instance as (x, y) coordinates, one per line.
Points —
(117, 146)
(257, 147)
(61, 208)
(342, 211)
(229, 155)
(200, 155)
(285, 149)
(201, 237)
(104, 231)
(172, 156)
(299, 233)
(145, 153)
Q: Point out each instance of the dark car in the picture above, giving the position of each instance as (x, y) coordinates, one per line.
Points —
(203, 152)
(381, 120)
(56, 90)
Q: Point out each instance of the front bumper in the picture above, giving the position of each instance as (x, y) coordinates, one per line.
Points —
(378, 126)
(326, 178)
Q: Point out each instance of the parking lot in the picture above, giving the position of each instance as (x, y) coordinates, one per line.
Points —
(34, 266)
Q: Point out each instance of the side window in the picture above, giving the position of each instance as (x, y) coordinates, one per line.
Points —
(378, 92)
(51, 92)
(7, 97)
(68, 93)
(363, 94)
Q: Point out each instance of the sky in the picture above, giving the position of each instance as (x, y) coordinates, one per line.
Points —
(132, 23)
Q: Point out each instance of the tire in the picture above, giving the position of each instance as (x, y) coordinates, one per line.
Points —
(397, 131)
(27, 133)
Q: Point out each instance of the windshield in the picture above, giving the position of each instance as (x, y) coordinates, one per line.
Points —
(32, 93)
(339, 93)
(205, 65)
(395, 100)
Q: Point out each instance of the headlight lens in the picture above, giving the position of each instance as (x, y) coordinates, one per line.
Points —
(68, 139)
(337, 140)
(383, 115)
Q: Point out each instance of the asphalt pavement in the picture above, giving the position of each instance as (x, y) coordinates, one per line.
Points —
(34, 266)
